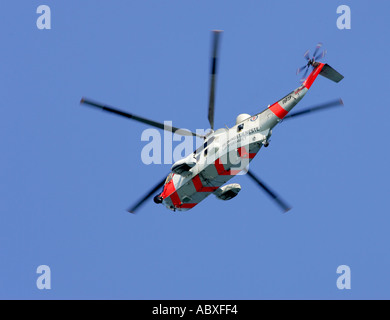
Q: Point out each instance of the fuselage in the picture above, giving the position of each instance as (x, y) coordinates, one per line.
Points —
(227, 152)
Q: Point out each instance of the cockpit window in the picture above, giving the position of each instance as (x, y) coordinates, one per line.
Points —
(169, 178)
(240, 127)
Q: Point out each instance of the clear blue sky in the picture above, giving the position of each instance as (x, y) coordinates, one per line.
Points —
(68, 172)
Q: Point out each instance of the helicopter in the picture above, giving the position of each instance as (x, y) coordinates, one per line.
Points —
(227, 152)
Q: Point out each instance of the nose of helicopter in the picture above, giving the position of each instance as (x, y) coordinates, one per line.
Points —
(158, 199)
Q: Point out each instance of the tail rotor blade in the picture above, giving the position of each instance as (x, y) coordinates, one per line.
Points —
(305, 74)
(307, 55)
(213, 75)
(283, 205)
(301, 69)
(319, 45)
(321, 55)
(140, 202)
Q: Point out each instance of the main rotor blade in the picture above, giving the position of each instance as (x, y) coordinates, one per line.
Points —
(146, 197)
(285, 207)
(140, 119)
(327, 105)
(213, 75)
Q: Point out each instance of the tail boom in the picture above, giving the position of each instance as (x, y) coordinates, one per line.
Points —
(324, 70)
(281, 108)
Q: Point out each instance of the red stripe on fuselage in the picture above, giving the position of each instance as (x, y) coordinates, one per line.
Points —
(278, 111)
(169, 188)
(175, 199)
(221, 169)
(187, 205)
(245, 154)
(199, 185)
(313, 75)
(170, 192)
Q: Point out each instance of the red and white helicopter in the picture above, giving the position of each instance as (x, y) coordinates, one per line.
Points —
(227, 152)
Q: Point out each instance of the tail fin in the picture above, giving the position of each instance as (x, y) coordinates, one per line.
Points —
(330, 73)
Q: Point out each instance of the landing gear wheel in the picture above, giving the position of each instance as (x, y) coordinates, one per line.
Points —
(266, 144)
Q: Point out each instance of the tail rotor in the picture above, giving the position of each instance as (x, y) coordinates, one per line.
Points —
(311, 61)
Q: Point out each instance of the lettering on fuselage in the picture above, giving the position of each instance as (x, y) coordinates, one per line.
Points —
(241, 136)
(286, 99)
(291, 96)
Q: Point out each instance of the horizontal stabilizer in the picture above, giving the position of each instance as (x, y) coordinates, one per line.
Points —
(330, 73)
